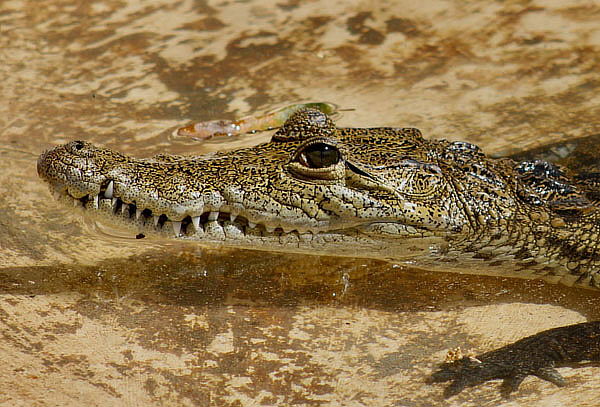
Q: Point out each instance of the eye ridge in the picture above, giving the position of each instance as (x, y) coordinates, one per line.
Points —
(320, 155)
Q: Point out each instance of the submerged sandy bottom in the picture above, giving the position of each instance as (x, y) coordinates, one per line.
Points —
(90, 320)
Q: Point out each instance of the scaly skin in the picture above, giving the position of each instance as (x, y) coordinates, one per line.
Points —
(382, 192)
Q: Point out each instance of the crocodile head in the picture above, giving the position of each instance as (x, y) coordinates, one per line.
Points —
(377, 192)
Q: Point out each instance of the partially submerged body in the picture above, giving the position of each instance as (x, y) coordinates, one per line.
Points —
(383, 193)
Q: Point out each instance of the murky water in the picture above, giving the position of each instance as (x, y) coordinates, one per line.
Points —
(90, 319)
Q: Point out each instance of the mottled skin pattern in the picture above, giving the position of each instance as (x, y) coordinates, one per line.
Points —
(379, 192)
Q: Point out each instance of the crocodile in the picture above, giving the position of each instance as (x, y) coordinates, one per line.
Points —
(385, 193)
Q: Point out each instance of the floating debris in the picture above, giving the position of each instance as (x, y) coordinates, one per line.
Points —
(249, 124)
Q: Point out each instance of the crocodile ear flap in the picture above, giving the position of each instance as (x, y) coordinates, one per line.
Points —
(544, 183)
(572, 203)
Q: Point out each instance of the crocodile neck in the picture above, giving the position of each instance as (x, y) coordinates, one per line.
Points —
(379, 192)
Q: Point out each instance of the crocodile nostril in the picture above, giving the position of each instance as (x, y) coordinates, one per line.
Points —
(78, 145)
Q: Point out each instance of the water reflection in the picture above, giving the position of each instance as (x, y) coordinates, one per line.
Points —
(190, 276)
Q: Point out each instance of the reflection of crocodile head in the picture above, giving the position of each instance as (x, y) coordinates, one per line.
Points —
(378, 192)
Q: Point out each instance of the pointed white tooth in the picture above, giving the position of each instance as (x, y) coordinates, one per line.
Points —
(270, 229)
(113, 202)
(212, 216)
(138, 212)
(109, 190)
(156, 220)
(55, 194)
(196, 222)
(176, 227)
(124, 208)
(252, 225)
(232, 216)
(96, 200)
(76, 202)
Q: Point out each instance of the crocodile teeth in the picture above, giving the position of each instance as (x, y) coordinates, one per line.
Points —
(156, 218)
(196, 222)
(212, 216)
(95, 200)
(109, 190)
(176, 227)
(251, 225)
(270, 229)
(76, 202)
(138, 212)
(232, 216)
(113, 202)
(55, 194)
(124, 208)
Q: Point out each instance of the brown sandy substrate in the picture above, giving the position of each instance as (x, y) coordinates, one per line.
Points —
(90, 320)
(188, 327)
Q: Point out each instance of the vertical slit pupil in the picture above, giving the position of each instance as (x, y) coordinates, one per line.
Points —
(321, 155)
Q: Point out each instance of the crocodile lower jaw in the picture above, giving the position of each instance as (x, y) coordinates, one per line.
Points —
(209, 225)
(223, 226)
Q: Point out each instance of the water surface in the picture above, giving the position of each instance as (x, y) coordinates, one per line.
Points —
(90, 319)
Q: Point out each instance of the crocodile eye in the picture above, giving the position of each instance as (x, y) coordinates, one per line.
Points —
(319, 155)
